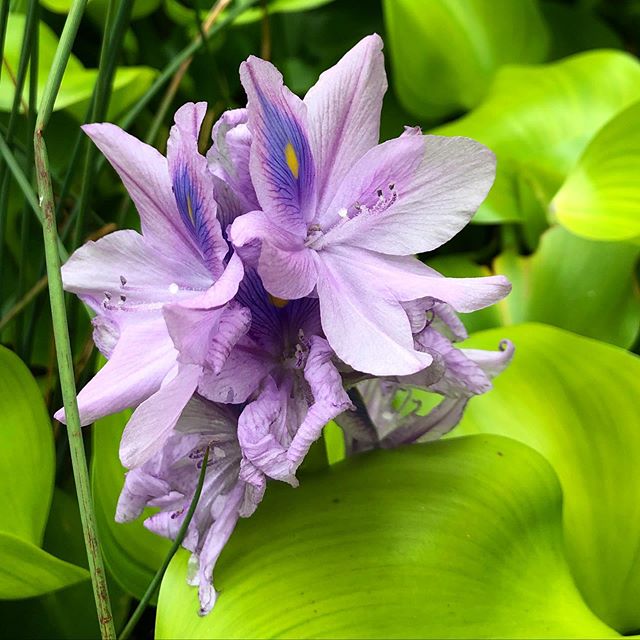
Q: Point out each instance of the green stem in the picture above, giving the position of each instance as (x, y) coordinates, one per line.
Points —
(60, 328)
(157, 579)
(4, 19)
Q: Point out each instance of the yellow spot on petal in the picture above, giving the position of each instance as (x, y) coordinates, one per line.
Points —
(278, 302)
(292, 159)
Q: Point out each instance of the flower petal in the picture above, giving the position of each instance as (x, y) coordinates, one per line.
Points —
(144, 173)
(344, 113)
(123, 271)
(416, 192)
(193, 186)
(329, 398)
(363, 319)
(140, 361)
(153, 421)
(282, 166)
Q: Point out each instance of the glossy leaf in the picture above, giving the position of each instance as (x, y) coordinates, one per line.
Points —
(458, 538)
(600, 198)
(539, 119)
(27, 571)
(575, 401)
(26, 452)
(77, 84)
(581, 285)
(253, 14)
(131, 553)
(456, 47)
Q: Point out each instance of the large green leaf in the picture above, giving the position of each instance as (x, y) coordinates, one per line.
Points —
(459, 538)
(539, 119)
(77, 83)
(26, 476)
(581, 285)
(575, 400)
(445, 52)
(601, 197)
(131, 552)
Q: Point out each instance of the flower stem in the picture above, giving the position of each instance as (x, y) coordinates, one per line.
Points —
(153, 585)
(60, 328)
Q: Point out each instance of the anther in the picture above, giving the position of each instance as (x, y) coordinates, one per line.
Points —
(123, 299)
(123, 280)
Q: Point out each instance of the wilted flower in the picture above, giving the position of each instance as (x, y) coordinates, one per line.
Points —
(342, 216)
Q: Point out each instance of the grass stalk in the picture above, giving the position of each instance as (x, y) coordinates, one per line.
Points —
(60, 328)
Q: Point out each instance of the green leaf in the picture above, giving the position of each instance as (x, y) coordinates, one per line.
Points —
(539, 119)
(581, 285)
(575, 401)
(253, 14)
(26, 452)
(131, 553)
(444, 53)
(26, 570)
(77, 83)
(600, 198)
(460, 538)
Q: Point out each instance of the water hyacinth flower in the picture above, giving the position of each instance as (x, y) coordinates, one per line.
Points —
(341, 216)
(387, 412)
(180, 265)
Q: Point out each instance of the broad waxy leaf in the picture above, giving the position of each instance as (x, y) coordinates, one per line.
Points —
(581, 285)
(458, 538)
(26, 476)
(539, 119)
(455, 47)
(131, 552)
(575, 401)
(77, 84)
(600, 198)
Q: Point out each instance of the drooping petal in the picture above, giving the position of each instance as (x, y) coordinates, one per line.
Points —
(145, 175)
(153, 421)
(492, 363)
(258, 426)
(329, 398)
(193, 186)
(415, 193)
(282, 167)
(140, 361)
(122, 271)
(364, 322)
(344, 113)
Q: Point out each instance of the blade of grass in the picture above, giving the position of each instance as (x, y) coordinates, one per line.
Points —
(114, 30)
(4, 19)
(60, 329)
(157, 579)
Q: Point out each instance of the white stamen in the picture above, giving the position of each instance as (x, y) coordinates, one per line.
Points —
(343, 213)
(173, 288)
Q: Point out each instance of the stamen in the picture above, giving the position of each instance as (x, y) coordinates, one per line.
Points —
(123, 281)
(173, 288)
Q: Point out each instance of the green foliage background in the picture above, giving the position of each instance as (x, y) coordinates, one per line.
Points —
(525, 522)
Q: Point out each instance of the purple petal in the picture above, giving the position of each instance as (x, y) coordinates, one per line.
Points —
(282, 167)
(492, 362)
(123, 272)
(229, 155)
(288, 269)
(344, 113)
(193, 186)
(140, 361)
(153, 421)
(144, 173)
(329, 398)
(363, 320)
(415, 193)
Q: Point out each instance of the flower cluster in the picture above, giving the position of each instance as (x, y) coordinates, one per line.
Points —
(274, 288)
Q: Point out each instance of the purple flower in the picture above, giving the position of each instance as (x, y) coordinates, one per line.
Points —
(341, 215)
(180, 265)
(168, 482)
(388, 414)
